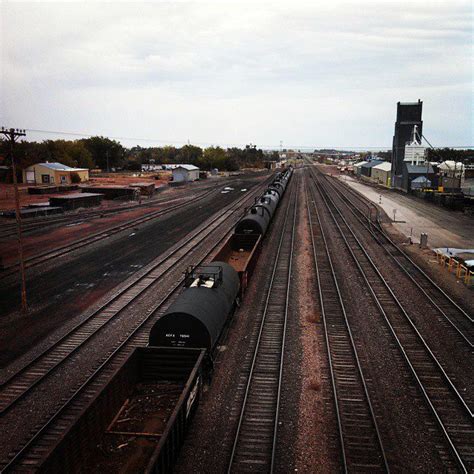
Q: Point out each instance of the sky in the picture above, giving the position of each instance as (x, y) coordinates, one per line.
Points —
(307, 74)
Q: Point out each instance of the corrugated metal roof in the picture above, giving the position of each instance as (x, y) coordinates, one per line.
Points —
(187, 167)
(371, 164)
(60, 167)
(360, 163)
(385, 166)
(414, 169)
(421, 179)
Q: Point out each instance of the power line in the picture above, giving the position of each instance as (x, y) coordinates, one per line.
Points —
(186, 142)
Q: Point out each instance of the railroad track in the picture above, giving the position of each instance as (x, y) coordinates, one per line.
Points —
(48, 432)
(451, 413)
(29, 225)
(448, 309)
(96, 237)
(8, 229)
(359, 436)
(255, 439)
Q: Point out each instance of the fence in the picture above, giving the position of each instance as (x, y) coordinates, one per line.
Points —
(453, 265)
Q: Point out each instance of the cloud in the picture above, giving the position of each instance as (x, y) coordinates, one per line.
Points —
(238, 72)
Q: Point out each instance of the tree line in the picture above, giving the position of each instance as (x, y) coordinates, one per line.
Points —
(106, 154)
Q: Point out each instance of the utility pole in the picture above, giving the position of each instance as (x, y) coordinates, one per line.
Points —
(12, 135)
(107, 157)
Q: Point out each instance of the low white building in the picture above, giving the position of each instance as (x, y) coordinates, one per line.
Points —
(185, 173)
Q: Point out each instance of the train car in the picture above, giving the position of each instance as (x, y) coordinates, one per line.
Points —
(269, 202)
(241, 251)
(154, 432)
(273, 193)
(197, 317)
(278, 187)
(255, 221)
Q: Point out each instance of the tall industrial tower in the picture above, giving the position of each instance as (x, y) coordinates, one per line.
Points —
(408, 115)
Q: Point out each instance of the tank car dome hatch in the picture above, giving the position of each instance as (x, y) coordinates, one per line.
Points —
(269, 203)
(272, 192)
(197, 317)
(254, 222)
(273, 196)
(277, 187)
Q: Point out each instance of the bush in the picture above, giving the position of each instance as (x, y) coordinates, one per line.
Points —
(75, 178)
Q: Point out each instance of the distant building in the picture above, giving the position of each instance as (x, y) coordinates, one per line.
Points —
(381, 173)
(52, 173)
(408, 116)
(366, 168)
(412, 172)
(185, 173)
(358, 167)
(452, 175)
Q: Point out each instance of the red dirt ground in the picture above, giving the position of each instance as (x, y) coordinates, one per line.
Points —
(7, 196)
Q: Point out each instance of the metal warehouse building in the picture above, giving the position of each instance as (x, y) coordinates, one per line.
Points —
(357, 167)
(52, 173)
(381, 173)
(366, 168)
(184, 173)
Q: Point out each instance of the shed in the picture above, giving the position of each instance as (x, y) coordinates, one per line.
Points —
(381, 173)
(411, 172)
(357, 167)
(366, 168)
(146, 189)
(185, 173)
(420, 182)
(52, 173)
(113, 192)
(76, 200)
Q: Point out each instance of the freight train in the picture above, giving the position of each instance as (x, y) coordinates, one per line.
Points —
(179, 357)
(211, 292)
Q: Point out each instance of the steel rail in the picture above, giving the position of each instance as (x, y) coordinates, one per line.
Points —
(333, 325)
(411, 362)
(81, 390)
(268, 458)
(34, 223)
(9, 229)
(406, 271)
(382, 279)
(96, 237)
(380, 230)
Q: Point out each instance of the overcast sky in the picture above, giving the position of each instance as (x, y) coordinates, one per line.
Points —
(318, 74)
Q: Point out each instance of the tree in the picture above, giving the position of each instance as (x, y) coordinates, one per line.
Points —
(75, 178)
(189, 154)
(213, 157)
(444, 154)
(106, 153)
(80, 155)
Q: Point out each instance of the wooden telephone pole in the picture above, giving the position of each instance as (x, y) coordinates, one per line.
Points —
(12, 135)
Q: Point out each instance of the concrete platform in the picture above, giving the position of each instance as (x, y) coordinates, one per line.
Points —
(413, 216)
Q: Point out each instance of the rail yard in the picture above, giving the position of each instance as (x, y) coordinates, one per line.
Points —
(267, 322)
